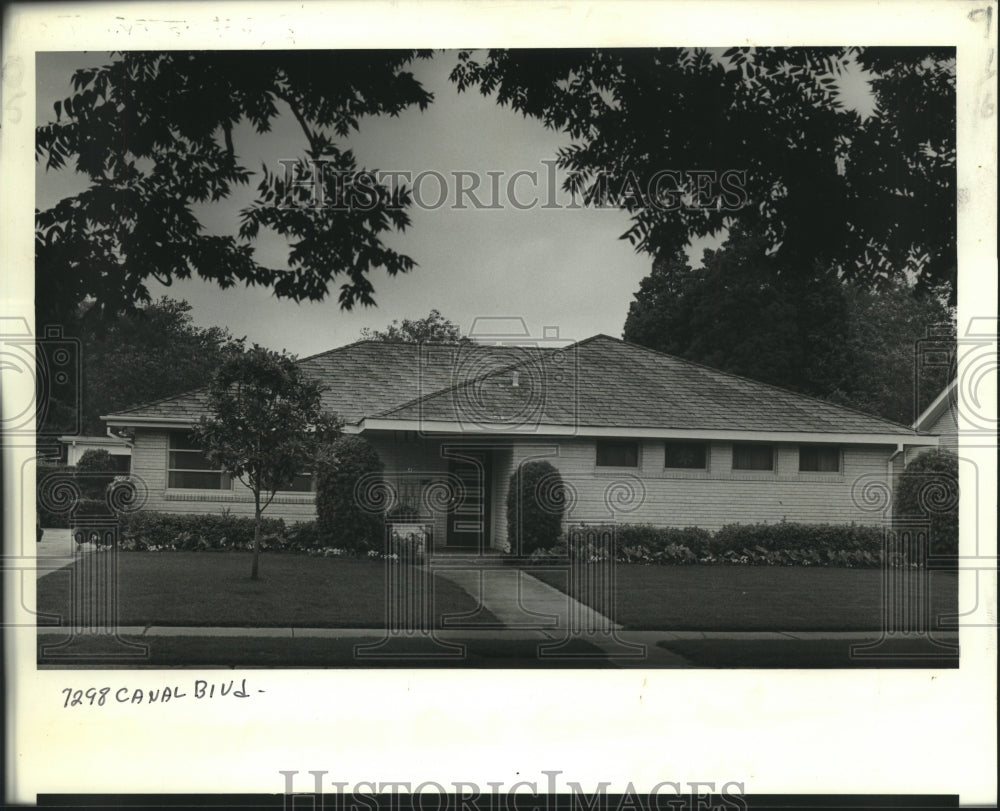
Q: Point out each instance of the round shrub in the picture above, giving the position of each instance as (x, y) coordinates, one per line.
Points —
(94, 472)
(536, 501)
(928, 490)
(345, 517)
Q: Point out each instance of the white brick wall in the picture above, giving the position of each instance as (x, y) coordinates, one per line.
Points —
(717, 496)
(149, 461)
(651, 494)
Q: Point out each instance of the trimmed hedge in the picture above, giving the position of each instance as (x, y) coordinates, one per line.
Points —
(151, 531)
(928, 491)
(348, 464)
(536, 502)
(782, 544)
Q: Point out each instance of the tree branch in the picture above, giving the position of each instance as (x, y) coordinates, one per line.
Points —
(313, 150)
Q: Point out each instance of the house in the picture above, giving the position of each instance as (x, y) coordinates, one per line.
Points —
(72, 448)
(941, 418)
(637, 435)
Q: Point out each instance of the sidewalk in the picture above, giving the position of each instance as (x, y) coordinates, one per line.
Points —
(57, 550)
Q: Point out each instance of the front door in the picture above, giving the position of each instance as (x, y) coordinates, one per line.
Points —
(469, 514)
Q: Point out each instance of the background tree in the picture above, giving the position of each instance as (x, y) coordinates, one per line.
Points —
(340, 515)
(744, 312)
(265, 426)
(154, 352)
(185, 112)
(901, 352)
(435, 327)
(870, 197)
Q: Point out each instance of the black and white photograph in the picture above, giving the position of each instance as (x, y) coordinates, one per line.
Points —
(558, 372)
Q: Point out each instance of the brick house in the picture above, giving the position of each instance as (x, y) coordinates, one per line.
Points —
(637, 435)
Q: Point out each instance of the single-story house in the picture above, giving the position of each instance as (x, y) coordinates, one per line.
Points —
(72, 448)
(941, 418)
(637, 435)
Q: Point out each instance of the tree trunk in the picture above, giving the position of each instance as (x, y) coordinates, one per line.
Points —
(256, 538)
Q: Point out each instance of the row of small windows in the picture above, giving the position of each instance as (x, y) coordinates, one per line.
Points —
(188, 468)
(687, 455)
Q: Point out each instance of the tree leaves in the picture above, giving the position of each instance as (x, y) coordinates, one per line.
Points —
(153, 131)
(872, 197)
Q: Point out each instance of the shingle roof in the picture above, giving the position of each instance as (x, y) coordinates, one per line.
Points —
(366, 377)
(599, 382)
(604, 381)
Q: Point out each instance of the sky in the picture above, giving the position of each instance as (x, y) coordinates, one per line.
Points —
(566, 269)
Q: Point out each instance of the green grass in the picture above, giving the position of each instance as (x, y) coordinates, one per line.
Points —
(215, 589)
(810, 653)
(755, 598)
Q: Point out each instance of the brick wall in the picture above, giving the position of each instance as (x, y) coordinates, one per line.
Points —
(718, 495)
(647, 494)
(149, 462)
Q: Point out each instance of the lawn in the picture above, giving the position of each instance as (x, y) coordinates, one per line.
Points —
(215, 589)
(755, 598)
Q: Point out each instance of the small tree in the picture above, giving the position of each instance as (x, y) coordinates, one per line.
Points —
(535, 505)
(265, 424)
(928, 489)
(341, 516)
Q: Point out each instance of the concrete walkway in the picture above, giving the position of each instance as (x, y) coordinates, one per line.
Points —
(56, 550)
(524, 604)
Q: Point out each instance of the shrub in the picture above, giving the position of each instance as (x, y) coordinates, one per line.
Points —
(305, 535)
(793, 544)
(144, 531)
(784, 544)
(928, 490)
(94, 472)
(53, 510)
(344, 521)
(535, 505)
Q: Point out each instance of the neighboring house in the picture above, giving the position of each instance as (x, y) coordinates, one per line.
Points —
(73, 447)
(637, 435)
(941, 418)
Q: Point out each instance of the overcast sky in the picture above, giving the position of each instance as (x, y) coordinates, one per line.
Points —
(563, 268)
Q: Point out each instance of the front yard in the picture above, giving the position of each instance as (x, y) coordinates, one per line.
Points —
(214, 589)
(757, 598)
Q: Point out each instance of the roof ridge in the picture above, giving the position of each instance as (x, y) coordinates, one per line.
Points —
(464, 383)
(783, 390)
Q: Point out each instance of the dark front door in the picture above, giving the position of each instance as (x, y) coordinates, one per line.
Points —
(469, 515)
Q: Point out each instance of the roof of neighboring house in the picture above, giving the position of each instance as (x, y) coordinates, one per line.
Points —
(111, 441)
(601, 382)
(938, 406)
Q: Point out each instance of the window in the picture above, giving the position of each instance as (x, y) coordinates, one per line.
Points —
(753, 457)
(302, 483)
(686, 455)
(819, 458)
(617, 453)
(189, 469)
